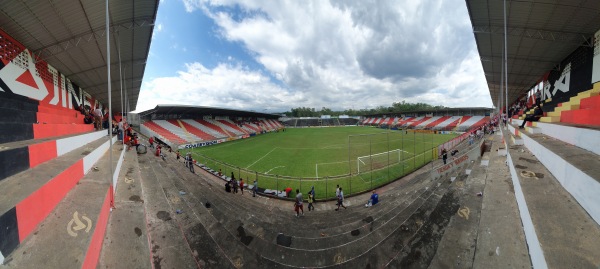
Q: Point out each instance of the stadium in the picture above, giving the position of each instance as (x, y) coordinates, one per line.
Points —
(513, 186)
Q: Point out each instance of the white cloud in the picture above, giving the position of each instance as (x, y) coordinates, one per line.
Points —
(233, 86)
(340, 55)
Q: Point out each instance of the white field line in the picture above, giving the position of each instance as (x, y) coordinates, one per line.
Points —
(261, 158)
(274, 168)
(335, 146)
(332, 162)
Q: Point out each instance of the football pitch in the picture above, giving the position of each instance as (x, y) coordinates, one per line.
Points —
(356, 158)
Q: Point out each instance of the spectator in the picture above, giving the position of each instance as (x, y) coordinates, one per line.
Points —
(157, 152)
(298, 205)
(190, 161)
(121, 129)
(98, 118)
(254, 188)
(234, 183)
(151, 141)
(340, 200)
(105, 119)
(374, 200)
(178, 155)
(537, 114)
(287, 190)
(311, 199)
(88, 119)
(242, 186)
(444, 155)
(227, 187)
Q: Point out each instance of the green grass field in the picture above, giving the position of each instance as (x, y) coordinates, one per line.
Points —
(356, 158)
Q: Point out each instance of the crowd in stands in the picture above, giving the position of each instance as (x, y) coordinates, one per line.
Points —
(98, 117)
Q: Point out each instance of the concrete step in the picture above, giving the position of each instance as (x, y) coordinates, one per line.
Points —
(35, 192)
(486, 231)
(320, 220)
(71, 236)
(516, 139)
(533, 129)
(13, 101)
(165, 229)
(550, 119)
(275, 253)
(561, 198)
(19, 156)
(126, 229)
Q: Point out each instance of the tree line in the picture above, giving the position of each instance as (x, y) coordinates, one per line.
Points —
(397, 107)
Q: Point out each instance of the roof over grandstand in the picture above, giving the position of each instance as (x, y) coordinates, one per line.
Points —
(71, 37)
(191, 112)
(540, 35)
(448, 111)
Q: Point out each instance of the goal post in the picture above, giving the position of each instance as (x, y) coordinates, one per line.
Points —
(378, 161)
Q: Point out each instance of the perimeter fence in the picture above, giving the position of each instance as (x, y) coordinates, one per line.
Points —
(373, 160)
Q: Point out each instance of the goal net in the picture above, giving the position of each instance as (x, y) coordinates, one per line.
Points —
(378, 161)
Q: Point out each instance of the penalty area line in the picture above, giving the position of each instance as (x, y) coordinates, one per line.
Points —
(261, 158)
(274, 168)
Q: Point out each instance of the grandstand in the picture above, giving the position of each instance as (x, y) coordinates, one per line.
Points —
(178, 126)
(73, 198)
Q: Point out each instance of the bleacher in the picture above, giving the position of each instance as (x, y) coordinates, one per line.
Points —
(197, 129)
(469, 122)
(46, 154)
(436, 124)
(567, 154)
(348, 121)
(426, 122)
(230, 126)
(151, 128)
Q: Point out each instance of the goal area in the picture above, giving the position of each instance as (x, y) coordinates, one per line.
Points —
(378, 161)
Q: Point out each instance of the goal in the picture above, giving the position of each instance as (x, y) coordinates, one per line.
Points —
(377, 161)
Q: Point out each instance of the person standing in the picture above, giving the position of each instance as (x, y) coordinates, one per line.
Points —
(234, 183)
(190, 162)
(340, 200)
(242, 186)
(311, 199)
(121, 129)
(444, 155)
(178, 155)
(298, 205)
(254, 188)
(151, 141)
(98, 118)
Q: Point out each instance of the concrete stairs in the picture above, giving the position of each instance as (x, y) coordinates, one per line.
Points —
(59, 210)
(558, 183)
(247, 229)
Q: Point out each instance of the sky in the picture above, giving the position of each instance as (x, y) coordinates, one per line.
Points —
(271, 56)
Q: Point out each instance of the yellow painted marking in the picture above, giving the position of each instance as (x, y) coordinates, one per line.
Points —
(79, 225)
(459, 183)
(128, 180)
(338, 258)
(528, 174)
(238, 262)
(464, 212)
